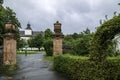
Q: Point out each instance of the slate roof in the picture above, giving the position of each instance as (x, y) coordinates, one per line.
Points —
(22, 33)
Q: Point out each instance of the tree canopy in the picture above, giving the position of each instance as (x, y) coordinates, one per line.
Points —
(6, 15)
(103, 37)
(36, 41)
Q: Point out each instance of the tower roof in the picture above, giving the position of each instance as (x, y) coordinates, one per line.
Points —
(28, 26)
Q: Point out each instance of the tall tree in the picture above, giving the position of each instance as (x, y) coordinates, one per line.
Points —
(36, 41)
(7, 14)
(48, 42)
(48, 34)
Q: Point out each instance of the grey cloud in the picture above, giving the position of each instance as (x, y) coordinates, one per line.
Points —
(75, 15)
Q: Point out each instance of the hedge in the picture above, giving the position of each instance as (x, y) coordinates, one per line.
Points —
(80, 68)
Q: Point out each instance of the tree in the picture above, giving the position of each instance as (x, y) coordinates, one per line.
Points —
(48, 42)
(21, 43)
(87, 31)
(1, 2)
(48, 34)
(75, 36)
(48, 45)
(36, 41)
(81, 45)
(7, 14)
(30, 42)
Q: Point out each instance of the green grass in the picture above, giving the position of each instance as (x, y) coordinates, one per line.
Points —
(49, 58)
(76, 57)
(28, 52)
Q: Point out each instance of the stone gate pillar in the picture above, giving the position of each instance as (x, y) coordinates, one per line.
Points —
(9, 57)
(57, 39)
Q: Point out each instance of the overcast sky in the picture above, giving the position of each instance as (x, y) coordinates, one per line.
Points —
(75, 15)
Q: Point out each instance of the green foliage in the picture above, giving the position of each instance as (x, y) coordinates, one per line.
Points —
(103, 37)
(48, 34)
(1, 2)
(30, 42)
(7, 14)
(49, 58)
(21, 43)
(80, 43)
(80, 68)
(48, 42)
(8, 69)
(48, 45)
(36, 41)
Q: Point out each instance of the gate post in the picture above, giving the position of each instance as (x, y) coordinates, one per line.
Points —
(57, 39)
(9, 43)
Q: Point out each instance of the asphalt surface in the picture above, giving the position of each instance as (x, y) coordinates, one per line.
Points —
(35, 67)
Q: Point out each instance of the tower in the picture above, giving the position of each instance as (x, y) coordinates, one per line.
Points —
(28, 30)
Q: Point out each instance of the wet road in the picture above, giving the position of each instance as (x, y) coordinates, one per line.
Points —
(35, 67)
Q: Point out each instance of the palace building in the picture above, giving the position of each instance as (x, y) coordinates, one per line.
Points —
(28, 32)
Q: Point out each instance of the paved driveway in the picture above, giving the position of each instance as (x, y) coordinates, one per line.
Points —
(34, 67)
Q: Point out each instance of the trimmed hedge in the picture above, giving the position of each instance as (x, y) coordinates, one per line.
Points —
(80, 68)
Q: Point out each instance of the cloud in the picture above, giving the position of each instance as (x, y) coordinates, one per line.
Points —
(75, 16)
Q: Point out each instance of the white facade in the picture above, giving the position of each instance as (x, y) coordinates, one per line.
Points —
(28, 32)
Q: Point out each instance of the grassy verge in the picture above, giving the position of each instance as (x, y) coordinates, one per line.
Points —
(28, 52)
(49, 58)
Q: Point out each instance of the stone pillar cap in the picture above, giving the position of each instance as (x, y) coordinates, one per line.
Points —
(57, 23)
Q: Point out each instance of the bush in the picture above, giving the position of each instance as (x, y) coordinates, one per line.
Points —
(81, 45)
(48, 45)
(8, 69)
(80, 68)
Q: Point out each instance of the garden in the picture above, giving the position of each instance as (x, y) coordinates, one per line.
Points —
(94, 59)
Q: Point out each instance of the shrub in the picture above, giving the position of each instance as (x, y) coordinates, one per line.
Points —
(81, 45)
(80, 68)
(103, 37)
(48, 45)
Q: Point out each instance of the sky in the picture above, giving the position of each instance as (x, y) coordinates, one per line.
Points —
(74, 15)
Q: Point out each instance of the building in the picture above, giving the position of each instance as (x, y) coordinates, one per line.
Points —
(28, 32)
